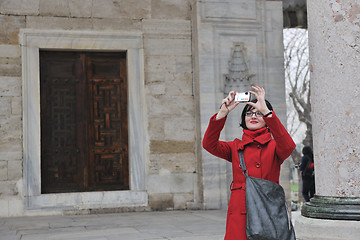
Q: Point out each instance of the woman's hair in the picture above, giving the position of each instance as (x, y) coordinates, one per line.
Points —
(249, 108)
(307, 150)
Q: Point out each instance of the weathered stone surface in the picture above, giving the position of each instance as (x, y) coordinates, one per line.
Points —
(9, 28)
(166, 28)
(16, 207)
(108, 24)
(4, 207)
(167, 47)
(10, 148)
(54, 8)
(161, 201)
(167, 146)
(19, 7)
(58, 23)
(172, 163)
(182, 199)
(3, 170)
(180, 129)
(170, 183)
(81, 8)
(10, 66)
(10, 127)
(121, 9)
(174, 106)
(10, 51)
(16, 106)
(10, 86)
(14, 170)
(5, 106)
(318, 229)
(8, 189)
(175, 9)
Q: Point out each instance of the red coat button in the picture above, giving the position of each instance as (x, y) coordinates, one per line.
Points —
(258, 164)
(259, 146)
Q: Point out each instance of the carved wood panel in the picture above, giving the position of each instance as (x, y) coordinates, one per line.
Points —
(83, 121)
(109, 141)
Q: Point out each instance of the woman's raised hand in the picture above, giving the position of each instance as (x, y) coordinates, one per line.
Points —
(260, 105)
(227, 105)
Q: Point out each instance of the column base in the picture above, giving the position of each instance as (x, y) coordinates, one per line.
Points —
(337, 208)
(324, 229)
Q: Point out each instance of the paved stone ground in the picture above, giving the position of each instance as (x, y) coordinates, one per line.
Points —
(172, 225)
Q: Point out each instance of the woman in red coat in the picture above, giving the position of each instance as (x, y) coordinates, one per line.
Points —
(263, 153)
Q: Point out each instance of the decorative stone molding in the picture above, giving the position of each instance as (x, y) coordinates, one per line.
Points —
(31, 42)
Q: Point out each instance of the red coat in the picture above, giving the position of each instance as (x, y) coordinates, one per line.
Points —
(263, 156)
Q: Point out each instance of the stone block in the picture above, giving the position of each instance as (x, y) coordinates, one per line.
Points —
(54, 8)
(8, 189)
(183, 64)
(166, 28)
(58, 23)
(16, 106)
(174, 106)
(81, 8)
(4, 208)
(167, 47)
(121, 9)
(10, 51)
(16, 207)
(162, 201)
(181, 200)
(174, 9)
(156, 88)
(19, 7)
(10, 149)
(5, 106)
(156, 128)
(156, 77)
(170, 183)
(323, 229)
(110, 24)
(160, 64)
(239, 10)
(3, 170)
(15, 170)
(180, 129)
(10, 128)
(170, 106)
(9, 28)
(166, 146)
(180, 84)
(172, 163)
(10, 66)
(10, 86)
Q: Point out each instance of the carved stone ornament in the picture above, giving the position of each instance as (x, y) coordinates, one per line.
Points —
(239, 77)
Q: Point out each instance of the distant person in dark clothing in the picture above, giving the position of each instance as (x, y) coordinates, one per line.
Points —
(307, 172)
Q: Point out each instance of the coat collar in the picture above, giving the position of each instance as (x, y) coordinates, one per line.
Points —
(261, 136)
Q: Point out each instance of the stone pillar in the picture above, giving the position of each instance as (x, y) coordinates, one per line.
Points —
(248, 34)
(334, 44)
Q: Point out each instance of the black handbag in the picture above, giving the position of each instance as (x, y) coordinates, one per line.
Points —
(267, 215)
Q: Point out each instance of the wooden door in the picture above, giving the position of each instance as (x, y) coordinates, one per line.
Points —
(84, 139)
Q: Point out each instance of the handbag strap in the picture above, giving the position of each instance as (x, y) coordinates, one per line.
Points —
(242, 162)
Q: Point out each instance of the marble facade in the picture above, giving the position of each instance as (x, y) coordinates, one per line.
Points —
(178, 54)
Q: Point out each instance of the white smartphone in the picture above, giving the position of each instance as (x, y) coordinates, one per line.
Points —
(242, 97)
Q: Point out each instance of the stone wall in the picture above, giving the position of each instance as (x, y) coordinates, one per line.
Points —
(178, 52)
(169, 101)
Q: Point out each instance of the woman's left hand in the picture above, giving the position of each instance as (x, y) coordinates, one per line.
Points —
(260, 105)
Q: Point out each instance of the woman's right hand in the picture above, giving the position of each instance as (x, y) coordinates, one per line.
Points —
(227, 105)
